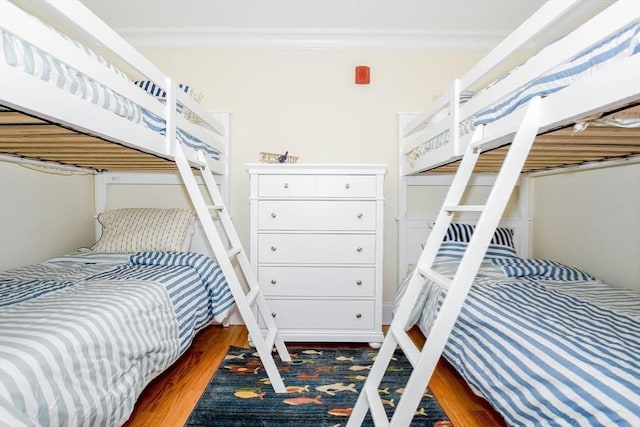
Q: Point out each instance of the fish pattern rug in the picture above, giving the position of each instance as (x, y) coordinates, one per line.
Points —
(322, 387)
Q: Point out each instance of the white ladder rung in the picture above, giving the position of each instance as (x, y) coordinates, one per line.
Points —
(252, 295)
(233, 252)
(215, 207)
(376, 406)
(437, 278)
(406, 344)
(464, 208)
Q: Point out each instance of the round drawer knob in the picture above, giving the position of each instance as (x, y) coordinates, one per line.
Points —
(359, 249)
(286, 185)
(358, 282)
(358, 315)
(347, 186)
(273, 248)
(359, 216)
(273, 315)
(274, 281)
(273, 215)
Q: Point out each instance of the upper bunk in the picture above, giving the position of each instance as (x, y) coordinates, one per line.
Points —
(586, 73)
(72, 91)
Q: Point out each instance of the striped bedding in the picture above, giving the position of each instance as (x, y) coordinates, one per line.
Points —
(623, 44)
(18, 53)
(544, 350)
(82, 335)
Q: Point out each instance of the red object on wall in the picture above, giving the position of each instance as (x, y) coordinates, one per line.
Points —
(362, 75)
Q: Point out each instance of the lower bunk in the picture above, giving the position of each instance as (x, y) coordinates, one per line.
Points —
(544, 343)
(82, 335)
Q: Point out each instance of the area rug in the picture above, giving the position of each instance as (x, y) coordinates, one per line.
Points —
(322, 387)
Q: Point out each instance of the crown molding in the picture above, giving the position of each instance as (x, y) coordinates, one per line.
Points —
(303, 38)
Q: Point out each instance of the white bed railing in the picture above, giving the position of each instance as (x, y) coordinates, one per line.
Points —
(552, 15)
(25, 93)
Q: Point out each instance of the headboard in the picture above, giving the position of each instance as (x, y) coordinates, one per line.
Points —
(140, 180)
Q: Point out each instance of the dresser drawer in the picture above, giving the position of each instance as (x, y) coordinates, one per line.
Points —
(286, 185)
(317, 281)
(316, 248)
(322, 314)
(346, 186)
(317, 215)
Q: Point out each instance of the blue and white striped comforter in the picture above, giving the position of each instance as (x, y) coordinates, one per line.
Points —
(546, 351)
(81, 336)
(22, 55)
(623, 44)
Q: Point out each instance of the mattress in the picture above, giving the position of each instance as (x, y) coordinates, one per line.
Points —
(82, 335)
(544, 343)
(622, 44)
(18, 53)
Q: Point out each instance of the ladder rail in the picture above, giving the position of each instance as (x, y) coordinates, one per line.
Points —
(462, 280)
(412, 292)
(375, 377)
(469, 265)
(245, 265)
(228, 269)
(428, 255)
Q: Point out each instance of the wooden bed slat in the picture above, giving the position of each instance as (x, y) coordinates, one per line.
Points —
(563, 148)
(14, 118)
(24, 136)
(29, 137)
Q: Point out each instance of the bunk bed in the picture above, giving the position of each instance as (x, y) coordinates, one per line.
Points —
(81, 335)
(63, 102)
(543, 342)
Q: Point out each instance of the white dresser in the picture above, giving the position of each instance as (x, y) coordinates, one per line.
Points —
(316, 247)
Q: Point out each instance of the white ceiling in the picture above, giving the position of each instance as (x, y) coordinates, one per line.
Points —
(314, 23)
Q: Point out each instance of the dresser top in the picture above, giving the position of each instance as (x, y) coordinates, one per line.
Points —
(317, 168)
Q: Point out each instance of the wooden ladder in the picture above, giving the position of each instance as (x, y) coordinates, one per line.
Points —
(424, 361)
(252, 303)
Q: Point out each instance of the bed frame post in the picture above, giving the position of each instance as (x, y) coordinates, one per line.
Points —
(403, 120)
(100, 200)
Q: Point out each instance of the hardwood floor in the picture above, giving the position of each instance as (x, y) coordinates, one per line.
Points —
(170, 398)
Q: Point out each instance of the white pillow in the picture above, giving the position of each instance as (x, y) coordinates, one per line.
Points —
(130, 230)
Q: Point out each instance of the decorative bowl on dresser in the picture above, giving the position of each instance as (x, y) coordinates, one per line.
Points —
(316, 247)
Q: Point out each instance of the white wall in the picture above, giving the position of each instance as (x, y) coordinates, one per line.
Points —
(306, 102)
(591, 220)
(42, 214)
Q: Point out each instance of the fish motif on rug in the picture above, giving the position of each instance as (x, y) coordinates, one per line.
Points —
(322, 386)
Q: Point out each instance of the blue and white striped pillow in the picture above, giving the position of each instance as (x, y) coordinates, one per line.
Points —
(460, 232)
(153, 89)
(455, 250)
(523, 267)
(161, 95)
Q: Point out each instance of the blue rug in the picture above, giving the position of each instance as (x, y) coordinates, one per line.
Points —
(323, 385)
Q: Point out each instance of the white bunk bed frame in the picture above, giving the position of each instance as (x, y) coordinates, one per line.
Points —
(593, 93)
(22, 93)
